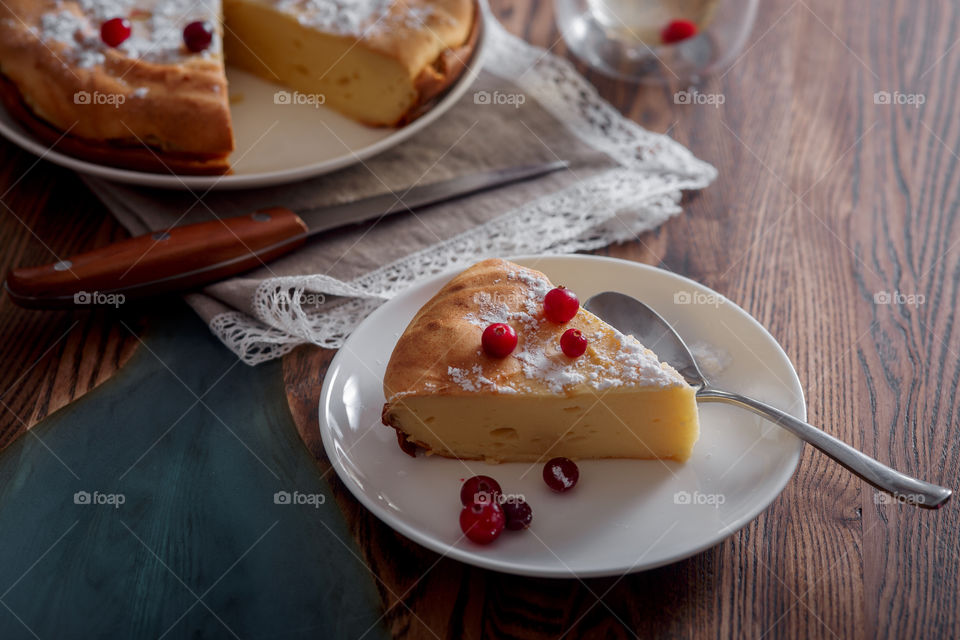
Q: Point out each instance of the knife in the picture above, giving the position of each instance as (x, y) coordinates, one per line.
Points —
(193, 255)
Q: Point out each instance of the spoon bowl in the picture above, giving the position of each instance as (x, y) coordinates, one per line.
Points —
(629, 315)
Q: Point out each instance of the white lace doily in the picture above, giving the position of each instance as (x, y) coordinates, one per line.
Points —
(610, 207)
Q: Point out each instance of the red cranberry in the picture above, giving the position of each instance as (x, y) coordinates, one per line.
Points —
(114, 31)
(198, 35)
(518, 513)
(573, 343)
(480, 489)
(678, 30)
(560, 305)
(561, 474)
(499, 340)
(482, 522)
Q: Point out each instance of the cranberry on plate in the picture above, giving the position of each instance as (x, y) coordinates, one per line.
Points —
(482, 522)
(561, 474)
(480, 489)
(518, 513)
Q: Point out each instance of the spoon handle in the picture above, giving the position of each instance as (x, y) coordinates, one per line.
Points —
(876, 473)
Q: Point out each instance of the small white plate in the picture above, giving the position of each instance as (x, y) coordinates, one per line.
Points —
(276, 143)
(624, 515)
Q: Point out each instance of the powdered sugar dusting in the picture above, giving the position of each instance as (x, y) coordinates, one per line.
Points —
(473, 380)
(356, 17)
(462, 378)
(552, 371)
(640, 364)
(82, 44)
(101, 10)
(537, 287)
(157, 25)
(542, 362)
(561, 476)
(156, 29)
(523, 309)
(711, 360)
(339, 16)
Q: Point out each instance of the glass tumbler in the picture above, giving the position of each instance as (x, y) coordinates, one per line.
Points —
(632, 39)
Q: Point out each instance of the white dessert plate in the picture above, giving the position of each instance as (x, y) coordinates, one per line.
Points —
(276, 143)
(624, 515)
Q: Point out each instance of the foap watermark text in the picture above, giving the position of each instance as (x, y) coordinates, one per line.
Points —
(295, 97)
(98, 299)
(695, 497)
(96, 498)
(300, 298)
(499, 97)
(298, 498)
(909, 498)
(900, 298)
(899, 98)
(99, 98)
(695, 97)
(697, 297)
(509, 299)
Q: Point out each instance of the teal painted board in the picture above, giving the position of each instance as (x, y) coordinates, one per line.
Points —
(177, 500)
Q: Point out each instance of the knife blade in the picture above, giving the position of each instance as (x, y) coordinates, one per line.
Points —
(190, 256)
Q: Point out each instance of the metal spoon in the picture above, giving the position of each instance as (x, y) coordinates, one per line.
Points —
(631, 316)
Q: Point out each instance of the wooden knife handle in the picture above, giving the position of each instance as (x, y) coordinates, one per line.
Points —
(160, 262)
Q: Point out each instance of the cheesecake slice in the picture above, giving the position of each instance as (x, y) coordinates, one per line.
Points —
(445, 395)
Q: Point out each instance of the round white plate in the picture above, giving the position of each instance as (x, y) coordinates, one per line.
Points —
(624, 515)
(276, 143)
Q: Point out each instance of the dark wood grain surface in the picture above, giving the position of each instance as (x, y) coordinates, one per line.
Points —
(827, 205)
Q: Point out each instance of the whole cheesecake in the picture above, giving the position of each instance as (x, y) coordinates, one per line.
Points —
(151, 104)
(448, 397)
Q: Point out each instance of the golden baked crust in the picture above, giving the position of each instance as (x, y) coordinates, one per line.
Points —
(434, 79)
(417, 43)
(134, 157)
(178, 107)
(441, 336)
(446, 333)
(440, 353)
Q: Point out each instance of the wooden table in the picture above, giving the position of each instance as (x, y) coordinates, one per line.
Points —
(826, 201)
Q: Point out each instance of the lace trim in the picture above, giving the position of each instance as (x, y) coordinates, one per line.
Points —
(611, 207)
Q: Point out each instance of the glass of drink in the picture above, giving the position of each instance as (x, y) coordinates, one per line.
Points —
(656, 41)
